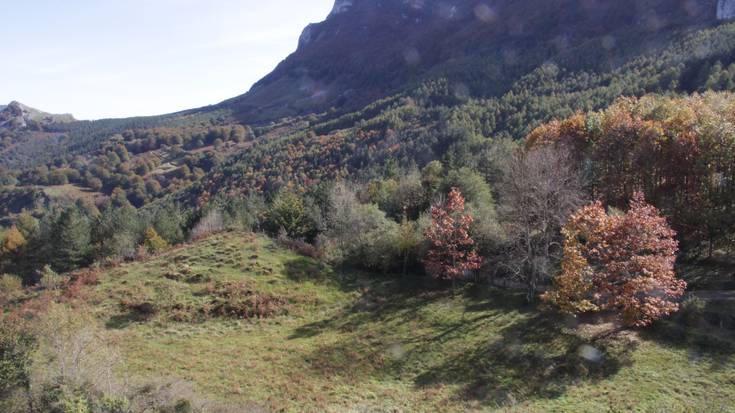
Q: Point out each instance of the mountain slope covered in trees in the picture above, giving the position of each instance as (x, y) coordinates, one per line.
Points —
(368, 49)
(332, 239)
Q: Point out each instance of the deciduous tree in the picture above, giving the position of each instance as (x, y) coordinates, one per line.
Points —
(451, 253)
(153, 242)
(623, 263)
(540, 190)
(12, 241)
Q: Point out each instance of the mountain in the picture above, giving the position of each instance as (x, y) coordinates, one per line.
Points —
(17, 116)
(367, 49)
(386, 85)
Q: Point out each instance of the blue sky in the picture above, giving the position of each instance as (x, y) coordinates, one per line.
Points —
(105, 58)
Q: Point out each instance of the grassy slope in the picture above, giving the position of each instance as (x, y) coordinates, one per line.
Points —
(374, 344)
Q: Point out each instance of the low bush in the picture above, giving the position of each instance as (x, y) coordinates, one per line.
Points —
(50, 280)
(298, 246)
(141, 309)
(237, 299)
(10, 285)
(80, 279)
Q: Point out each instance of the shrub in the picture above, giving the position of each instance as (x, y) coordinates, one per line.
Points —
(288, 212)
(80, 279)
(74, 403)
(12, 241)
(153, 242)
(50, 280)
(692, 311)
(238, 300)
(298, 246)
(10, 284)
(143, 310)
(358, 234)
(16, 347)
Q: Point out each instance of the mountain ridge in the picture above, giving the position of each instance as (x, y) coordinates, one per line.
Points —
(366, 50)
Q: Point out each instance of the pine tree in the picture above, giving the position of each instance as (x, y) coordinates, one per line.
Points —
(70, 245)
(288, 212)
(117, 232)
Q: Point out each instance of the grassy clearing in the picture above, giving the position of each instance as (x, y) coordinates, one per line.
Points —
(349, 342)
(70, 192)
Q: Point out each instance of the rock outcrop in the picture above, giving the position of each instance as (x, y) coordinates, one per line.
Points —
(19, 116)
(725, 9)
(341, 6)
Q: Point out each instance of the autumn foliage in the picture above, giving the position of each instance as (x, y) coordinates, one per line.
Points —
(679, 151)
(451, 251)
(622, 263)
(13, 241)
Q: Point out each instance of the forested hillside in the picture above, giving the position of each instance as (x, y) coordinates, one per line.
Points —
(452, 205)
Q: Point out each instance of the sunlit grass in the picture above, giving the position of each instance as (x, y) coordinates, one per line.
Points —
(359, 343)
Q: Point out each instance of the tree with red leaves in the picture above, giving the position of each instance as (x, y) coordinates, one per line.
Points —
(451, 253)
(623, 263)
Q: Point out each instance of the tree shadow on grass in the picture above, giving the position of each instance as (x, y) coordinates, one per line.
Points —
(534, 357)
(122, 321)
(381, 300)
(494, 347)
(707, 333)
(307, 269)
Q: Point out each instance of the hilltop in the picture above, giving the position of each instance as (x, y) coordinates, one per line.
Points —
(17, 116)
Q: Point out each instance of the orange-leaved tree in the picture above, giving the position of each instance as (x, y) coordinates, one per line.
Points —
(623, 263)
(451, 251)
(13, 241)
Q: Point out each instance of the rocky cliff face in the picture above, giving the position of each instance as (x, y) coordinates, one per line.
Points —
(19, 116)
(366, 49)
(341, 6)
(726, 9)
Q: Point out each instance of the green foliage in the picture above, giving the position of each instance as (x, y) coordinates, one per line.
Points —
(70, 244)
(74, 403)
(49, 279)
(113, 404)
(16, 348)
(361, 235)
(153, 242)
(10, 284)
(27, 224)
(169, 221)
(117, 232)
(288, 212)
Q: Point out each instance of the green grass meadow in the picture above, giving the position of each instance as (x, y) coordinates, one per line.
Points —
(353, 342)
